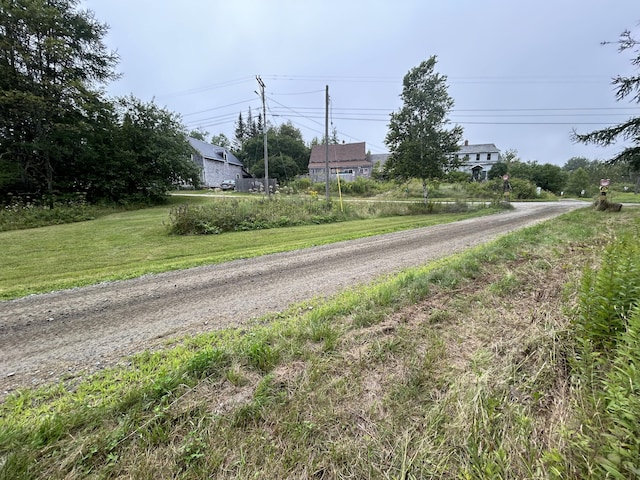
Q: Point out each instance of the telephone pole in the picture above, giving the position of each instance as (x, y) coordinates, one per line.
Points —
(326, 142)
(264, 131)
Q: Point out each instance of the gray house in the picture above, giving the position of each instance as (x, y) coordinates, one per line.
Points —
(216, 163)
(477, 159)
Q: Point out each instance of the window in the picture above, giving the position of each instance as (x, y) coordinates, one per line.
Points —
(488, 157)
(477, 157)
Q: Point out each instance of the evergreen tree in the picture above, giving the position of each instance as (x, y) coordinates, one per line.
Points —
(630, 129)
(240, 133)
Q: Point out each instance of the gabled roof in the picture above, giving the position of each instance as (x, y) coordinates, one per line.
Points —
(345, 154)
(478, 148)
(213, 152)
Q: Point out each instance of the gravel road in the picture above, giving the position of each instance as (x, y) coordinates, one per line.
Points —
(43, 337)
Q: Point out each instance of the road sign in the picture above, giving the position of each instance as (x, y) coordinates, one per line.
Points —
(604, 182)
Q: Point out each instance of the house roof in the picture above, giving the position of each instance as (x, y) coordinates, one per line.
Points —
(478, 148)
(343, 154)
(213, 152)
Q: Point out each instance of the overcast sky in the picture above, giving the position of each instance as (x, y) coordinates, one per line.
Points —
(523, 74)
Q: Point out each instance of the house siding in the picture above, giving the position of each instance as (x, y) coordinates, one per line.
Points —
(349, 161)
(216, 163)
(478, 159)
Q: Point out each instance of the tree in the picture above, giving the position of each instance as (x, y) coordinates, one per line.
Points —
(549, 177)
(420, 145)
(509, 156)
(578, 181)
(153, 151)
(134, 152)
(240, 133)
(199, 134)
(221, 140)
(52, 60)
(287, 153)
(497, 170)
(630, 129)
(575, 163)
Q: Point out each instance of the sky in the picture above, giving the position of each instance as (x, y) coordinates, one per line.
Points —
(523, 74)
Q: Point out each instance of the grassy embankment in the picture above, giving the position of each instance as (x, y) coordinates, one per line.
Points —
(127, 244)
(496, 363)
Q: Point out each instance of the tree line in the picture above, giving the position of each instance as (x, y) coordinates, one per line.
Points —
(59, 133)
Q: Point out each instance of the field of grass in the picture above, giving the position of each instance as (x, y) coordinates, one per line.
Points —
(469, 368)
(132, 243)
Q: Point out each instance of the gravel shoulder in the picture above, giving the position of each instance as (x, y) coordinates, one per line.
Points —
(46, 337)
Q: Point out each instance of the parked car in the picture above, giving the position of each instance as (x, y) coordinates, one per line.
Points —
(228, 185)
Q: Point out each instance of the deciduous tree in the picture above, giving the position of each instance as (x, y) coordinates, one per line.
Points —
(52, 61)
(419, 141)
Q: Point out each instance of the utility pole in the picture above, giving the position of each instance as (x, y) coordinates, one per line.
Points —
(264, 131)
(326, 142)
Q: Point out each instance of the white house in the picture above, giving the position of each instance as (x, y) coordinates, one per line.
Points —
(478, 159)
(216, 163)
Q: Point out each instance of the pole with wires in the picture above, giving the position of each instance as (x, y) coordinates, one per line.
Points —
(326, 142)
(264, 131)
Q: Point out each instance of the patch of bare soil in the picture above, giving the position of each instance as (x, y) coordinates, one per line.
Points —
(45, 338)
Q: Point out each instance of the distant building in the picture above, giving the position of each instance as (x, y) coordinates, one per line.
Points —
(216, 163)
(478, 159)
(349, 160)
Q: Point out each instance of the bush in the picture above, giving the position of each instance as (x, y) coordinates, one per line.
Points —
(243, 215)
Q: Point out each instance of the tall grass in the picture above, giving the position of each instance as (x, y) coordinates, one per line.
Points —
(250, 214)
(457, 369)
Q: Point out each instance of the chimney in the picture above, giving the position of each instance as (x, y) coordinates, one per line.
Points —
(466, 143)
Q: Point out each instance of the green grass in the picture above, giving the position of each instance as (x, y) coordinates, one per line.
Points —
(133, 243)
(457, 369)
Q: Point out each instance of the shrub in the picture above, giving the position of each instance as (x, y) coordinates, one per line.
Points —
(26, 212)
(608, 294)
(607, 365)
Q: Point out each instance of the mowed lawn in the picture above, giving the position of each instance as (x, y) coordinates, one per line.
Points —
(129, 244)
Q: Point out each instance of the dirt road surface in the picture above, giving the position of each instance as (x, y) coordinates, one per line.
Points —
(46, 337)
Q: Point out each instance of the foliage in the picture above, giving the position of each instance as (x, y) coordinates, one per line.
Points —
(151, 155)
(618, 173)
(497, 170)
(546, 176)
(288, 154)
(361, 186)
(418, 140)
(24, 212)
(630, 129)
(578, 182)
(244, 215)
(609, 293)
(199, 134)
(607, 362)
(52, 58)
(520, 189)
(58, 134)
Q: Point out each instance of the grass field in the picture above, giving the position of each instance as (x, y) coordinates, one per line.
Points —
(132, 243)
(466, 368)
